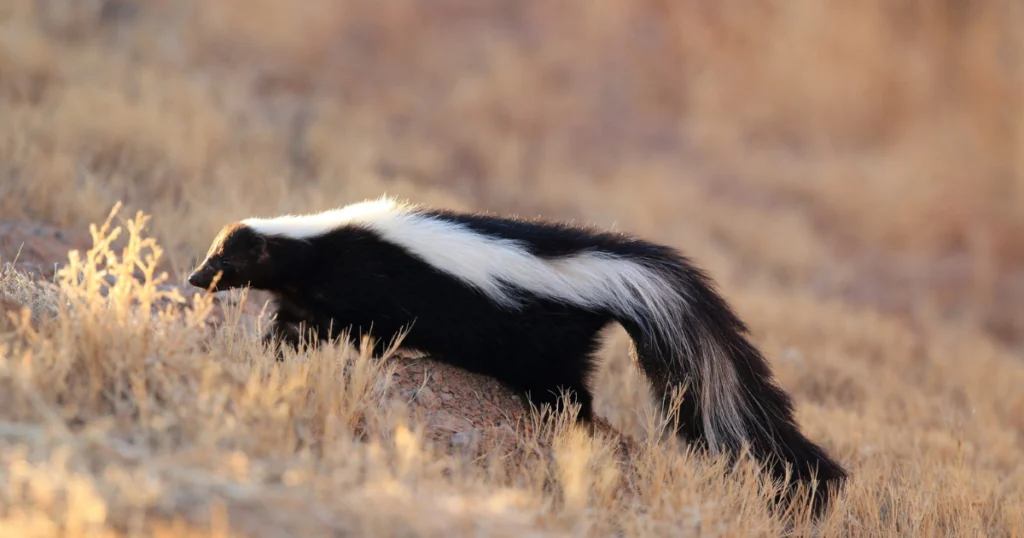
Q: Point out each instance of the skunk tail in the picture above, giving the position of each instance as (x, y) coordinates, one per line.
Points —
(731, 399)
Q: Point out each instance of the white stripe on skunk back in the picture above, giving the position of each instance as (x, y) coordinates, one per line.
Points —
(640, 292)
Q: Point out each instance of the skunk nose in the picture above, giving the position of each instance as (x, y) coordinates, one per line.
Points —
(194, 280)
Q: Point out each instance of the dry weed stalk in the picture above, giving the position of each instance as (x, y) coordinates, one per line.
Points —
(748, 136)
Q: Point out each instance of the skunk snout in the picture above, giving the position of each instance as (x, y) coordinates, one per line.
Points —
(200, 278)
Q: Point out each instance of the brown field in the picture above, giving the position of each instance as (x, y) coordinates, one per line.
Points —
(850, 172)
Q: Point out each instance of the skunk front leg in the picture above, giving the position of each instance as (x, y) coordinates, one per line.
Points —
(280, 334)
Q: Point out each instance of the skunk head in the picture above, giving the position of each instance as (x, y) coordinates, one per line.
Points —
(238, 257)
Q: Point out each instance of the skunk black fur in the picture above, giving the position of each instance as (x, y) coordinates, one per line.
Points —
(523, 302)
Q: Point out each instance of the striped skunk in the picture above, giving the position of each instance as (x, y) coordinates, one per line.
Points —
(523, 302)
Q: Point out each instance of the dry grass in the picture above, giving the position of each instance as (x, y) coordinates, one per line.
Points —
(851, 172)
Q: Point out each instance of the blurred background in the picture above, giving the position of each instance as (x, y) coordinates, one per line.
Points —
(850, 172)
(866, 151)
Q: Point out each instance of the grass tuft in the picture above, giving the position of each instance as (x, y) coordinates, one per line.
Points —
(851, 173)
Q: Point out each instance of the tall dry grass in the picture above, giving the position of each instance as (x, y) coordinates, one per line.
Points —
(798, 150)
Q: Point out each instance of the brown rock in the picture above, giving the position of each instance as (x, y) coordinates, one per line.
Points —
(426, 397)
(444, 420)
(465, 439)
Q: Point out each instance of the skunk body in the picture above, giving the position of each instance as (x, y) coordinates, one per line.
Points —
(523, 302)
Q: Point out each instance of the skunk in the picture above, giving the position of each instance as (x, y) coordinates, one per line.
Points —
(524, 302)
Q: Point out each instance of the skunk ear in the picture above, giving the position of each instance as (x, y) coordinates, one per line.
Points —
(259, 248)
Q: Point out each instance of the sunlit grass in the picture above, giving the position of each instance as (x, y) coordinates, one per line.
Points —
(778, 144)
